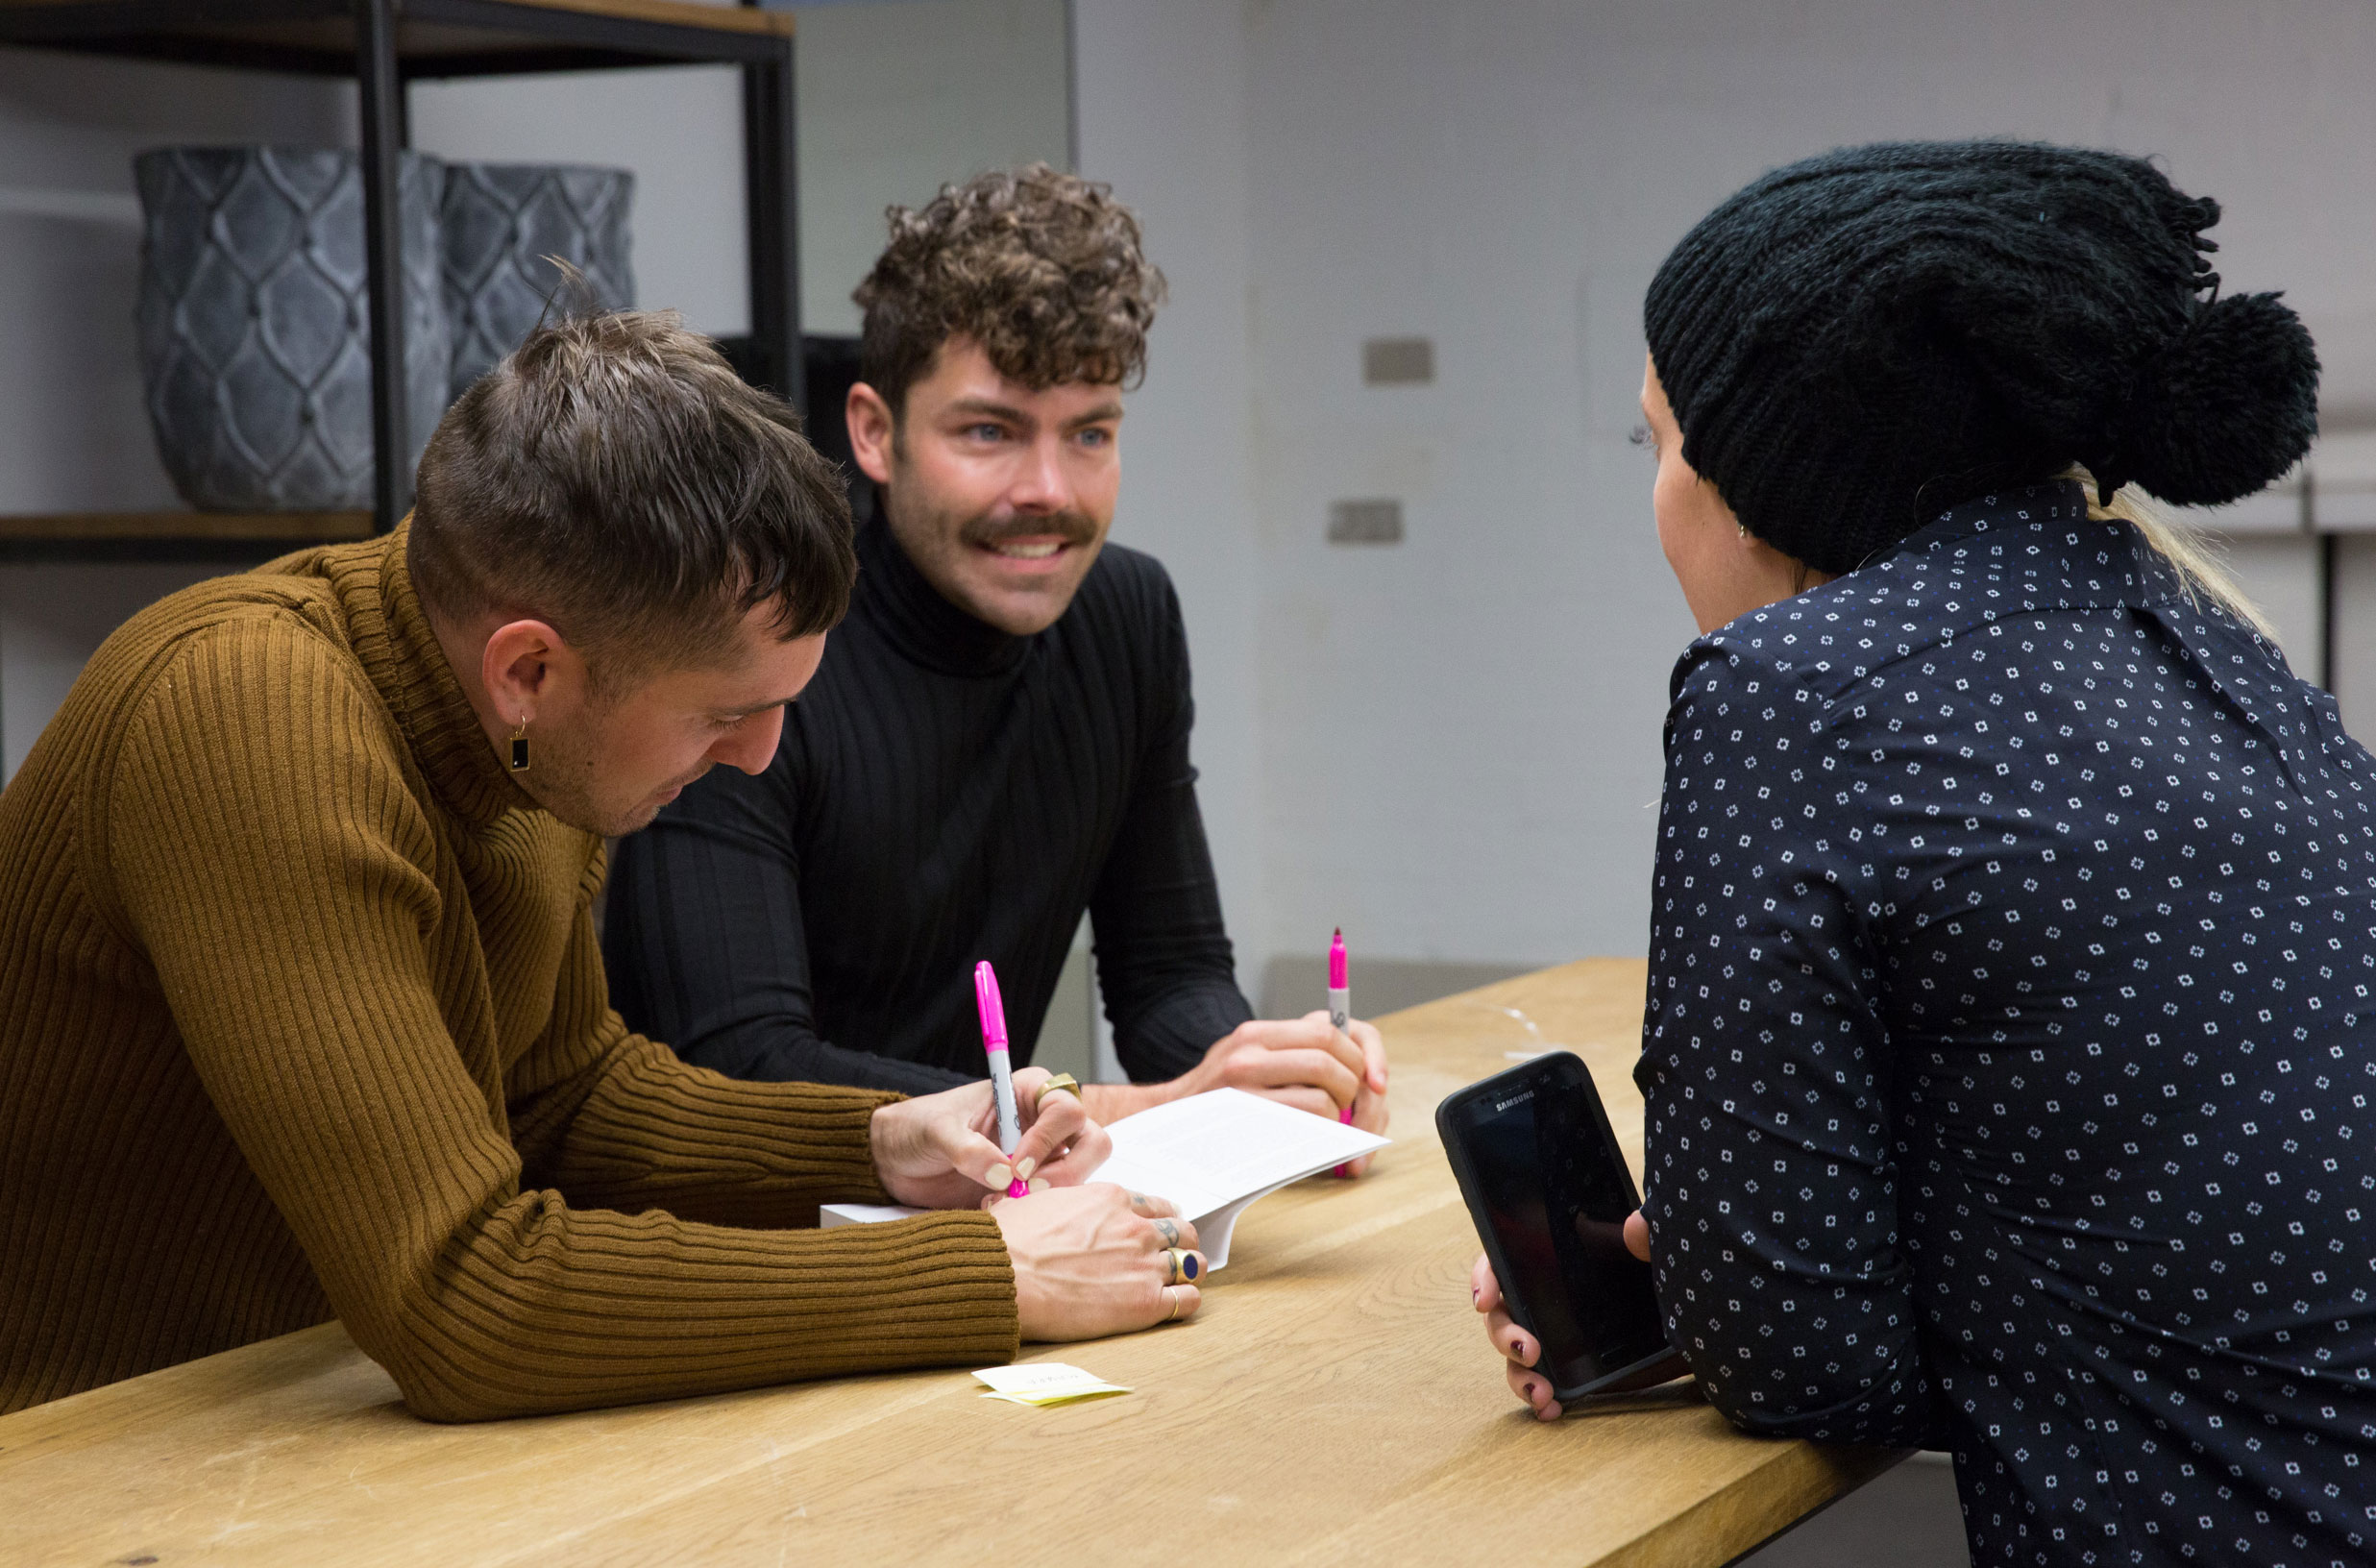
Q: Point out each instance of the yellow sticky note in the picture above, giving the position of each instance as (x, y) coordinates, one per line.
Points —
(1045, 1383)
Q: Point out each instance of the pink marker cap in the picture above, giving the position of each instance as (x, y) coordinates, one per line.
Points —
(994, 1010)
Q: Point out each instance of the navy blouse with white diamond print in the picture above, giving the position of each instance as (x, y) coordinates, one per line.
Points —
(2008, 1049)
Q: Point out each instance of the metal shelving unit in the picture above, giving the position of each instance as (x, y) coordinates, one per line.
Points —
(384, 46)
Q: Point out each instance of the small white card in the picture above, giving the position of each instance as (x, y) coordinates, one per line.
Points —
(1045, 1383)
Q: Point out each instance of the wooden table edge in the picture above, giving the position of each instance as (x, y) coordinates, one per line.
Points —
(1750, 1513)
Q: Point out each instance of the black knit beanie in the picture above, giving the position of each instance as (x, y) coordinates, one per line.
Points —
(1855, 343)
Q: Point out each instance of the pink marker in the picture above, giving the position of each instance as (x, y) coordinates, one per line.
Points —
(994, 1045)
(1339, 1005)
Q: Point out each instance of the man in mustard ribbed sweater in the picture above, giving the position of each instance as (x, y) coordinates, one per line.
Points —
(300, 1012)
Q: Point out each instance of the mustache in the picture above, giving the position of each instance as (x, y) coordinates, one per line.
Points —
(1072, 527)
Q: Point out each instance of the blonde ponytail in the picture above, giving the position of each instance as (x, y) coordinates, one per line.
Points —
(2200, 573)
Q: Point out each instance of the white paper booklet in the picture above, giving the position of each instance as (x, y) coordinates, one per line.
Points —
(1211, 1154)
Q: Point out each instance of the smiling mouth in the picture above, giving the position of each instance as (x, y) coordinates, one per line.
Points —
(1027, 549)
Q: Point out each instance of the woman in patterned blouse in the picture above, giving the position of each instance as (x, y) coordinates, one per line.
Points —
(2008, 1053)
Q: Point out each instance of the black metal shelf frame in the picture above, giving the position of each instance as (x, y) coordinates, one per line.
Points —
(565, 38)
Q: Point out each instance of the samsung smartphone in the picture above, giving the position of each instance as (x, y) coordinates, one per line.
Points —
(1550, 1192)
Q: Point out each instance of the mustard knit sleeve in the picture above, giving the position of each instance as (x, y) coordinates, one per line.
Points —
(613, 1120)
(262, 841)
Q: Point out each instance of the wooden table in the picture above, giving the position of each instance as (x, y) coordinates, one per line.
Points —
(1335, 1402)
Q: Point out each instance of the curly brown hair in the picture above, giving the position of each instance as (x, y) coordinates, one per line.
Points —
(1043, 269)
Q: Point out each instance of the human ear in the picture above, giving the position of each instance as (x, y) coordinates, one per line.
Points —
(515, 668)
(871, 431)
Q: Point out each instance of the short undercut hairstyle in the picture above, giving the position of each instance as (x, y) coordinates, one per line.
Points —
(1043, 269)
(615, 477)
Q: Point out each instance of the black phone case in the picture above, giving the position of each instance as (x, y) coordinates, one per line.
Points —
(1502, 1083)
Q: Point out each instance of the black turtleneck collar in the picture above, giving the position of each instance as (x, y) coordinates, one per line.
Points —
(920, 623)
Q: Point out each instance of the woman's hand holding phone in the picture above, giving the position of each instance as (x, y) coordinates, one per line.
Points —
(1519, 1348)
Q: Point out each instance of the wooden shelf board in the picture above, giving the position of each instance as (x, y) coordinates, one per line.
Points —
(535, 35)
(679, 13)
(668, 12)
(290, 527)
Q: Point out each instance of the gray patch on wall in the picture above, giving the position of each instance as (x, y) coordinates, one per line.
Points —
(1398, 362)
(1366, 523)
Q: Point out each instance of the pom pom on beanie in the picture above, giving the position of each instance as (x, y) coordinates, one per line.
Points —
(1854, 343)
(2229, 406)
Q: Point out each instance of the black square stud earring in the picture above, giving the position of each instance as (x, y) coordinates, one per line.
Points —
(520, 748)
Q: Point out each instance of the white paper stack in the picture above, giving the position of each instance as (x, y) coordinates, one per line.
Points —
(1213, 1155)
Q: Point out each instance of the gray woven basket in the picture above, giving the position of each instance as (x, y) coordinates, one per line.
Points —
(500, 221)
(255, 336)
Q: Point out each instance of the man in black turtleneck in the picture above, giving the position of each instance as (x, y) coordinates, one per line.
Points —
(997, 738)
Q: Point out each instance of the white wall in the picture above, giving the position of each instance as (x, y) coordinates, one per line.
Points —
(890, 100)
(1162, 115)
(897, 99)
(1459, 735)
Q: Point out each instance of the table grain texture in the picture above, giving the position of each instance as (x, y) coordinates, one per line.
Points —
(1332, 1403)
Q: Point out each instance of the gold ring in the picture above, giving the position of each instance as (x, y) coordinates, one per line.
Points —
(1174, 1296)
(1063, 1081)
(1182, 1266)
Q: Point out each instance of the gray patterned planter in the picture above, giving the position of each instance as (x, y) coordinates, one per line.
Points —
(501, 221)
(254, 337)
